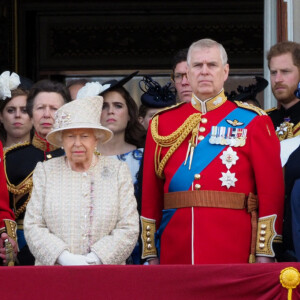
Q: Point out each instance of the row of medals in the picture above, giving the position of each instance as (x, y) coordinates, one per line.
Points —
(234, 137)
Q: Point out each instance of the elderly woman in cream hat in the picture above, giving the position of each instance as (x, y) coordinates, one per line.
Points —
(82, 210)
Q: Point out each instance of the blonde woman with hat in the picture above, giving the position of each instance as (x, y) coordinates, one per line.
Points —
(82, 210)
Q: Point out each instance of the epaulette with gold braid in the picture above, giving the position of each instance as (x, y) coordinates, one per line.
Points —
(251, 107)
(15, 146)
(270, 109)
(167, 108)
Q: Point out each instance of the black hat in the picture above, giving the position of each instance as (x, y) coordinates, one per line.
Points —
(249, 92)
(297, 92)
(118, 83)
(156, 96)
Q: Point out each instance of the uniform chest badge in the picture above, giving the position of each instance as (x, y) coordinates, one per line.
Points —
(231, 136)
(234, 122)
(228, 179)
(229, 157)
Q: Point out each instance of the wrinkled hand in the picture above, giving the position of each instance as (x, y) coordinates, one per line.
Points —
(4, 236)
(153, 261)
(264, 259)
(70, 259)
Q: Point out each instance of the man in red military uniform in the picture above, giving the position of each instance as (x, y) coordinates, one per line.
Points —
(212, 184)
(7, 223)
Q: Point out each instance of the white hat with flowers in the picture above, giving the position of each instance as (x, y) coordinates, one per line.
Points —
(8, 83)
(78, 114)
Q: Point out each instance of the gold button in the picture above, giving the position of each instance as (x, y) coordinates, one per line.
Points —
(148, 228)
(148, 233)
(202, 129)
(200, 137)
(204, 120)
(49, 156)
(149, 246)
(263, 226)
(197, 176)
(261, 245)
(148, 240)
(262, 232)
(262, 239)
(197, 186)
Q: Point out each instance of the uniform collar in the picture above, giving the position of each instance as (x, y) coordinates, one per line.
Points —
(42, 144)
(209, 104)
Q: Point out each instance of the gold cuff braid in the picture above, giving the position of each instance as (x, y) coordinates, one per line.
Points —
(11, 229)
(173, 141)
(148, 240)
(265, 236)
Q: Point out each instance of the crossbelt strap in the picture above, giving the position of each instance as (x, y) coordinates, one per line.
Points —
(204, 199)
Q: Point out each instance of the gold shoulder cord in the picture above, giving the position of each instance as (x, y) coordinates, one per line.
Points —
(173, 140)
(19, 190)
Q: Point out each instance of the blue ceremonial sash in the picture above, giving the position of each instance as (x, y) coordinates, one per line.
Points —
(205, 152)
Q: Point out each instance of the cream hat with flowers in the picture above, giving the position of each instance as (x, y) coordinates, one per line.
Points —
(78, 114)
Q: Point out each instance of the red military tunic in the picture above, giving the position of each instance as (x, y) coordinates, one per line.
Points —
(195, 235)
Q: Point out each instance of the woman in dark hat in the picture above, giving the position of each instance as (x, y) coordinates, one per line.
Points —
(154, 98)
(248, 94)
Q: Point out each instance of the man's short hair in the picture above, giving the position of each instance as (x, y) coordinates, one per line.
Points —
(283, 48)
(208, 43)
(179, 57)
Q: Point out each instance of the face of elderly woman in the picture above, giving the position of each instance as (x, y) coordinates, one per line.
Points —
(44, 107)
(79, 145)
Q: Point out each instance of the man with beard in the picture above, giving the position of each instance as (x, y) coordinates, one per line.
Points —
(284, 64)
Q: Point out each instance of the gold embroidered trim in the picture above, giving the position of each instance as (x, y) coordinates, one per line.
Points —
(270, 109)
(148, 240)
(15, 146)
(296, 130)
(172, 140)
(11, 228)
(277, 239)
(251, 107)
(210, 104)
(22, 208)
(265, 236)
(42, 144)
(2, 229)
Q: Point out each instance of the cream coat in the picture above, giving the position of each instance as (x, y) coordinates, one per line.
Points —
(58, 214)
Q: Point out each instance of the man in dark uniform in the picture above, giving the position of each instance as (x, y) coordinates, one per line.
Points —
(284, 64)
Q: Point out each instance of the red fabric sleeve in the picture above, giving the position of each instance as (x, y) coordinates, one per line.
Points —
(5, 211)
(152, 197)
(265, 159)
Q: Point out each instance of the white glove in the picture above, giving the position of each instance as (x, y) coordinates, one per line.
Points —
(93, 259)
(70, 259)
